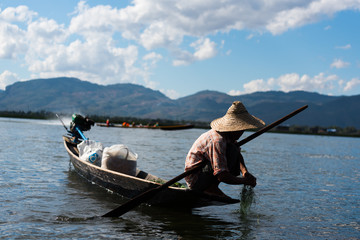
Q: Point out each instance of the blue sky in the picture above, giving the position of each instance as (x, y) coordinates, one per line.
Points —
(181, 47)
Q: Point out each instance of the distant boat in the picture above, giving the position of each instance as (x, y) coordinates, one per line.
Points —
(169, 127)
(177, 196)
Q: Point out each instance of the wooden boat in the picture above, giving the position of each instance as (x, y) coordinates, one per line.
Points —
(176, 127)
(169, 127)
(131, 186)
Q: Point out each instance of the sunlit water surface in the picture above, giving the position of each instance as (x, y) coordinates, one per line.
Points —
(308, 188)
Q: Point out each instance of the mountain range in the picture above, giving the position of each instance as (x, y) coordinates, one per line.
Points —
(69, 95)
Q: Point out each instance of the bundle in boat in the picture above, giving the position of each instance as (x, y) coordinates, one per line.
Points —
(90, 151)
(119, 158)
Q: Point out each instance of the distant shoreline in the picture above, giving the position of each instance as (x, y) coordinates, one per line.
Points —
(287, 129)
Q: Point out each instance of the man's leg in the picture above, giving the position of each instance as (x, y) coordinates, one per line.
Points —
(208, 183)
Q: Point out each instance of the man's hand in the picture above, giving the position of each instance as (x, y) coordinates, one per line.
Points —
(228, 178)
(250, 179)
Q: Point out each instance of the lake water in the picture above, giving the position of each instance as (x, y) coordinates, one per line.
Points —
(308, 188)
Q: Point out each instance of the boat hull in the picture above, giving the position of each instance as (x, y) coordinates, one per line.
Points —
(130, 186)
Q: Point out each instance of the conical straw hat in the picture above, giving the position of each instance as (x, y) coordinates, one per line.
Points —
(236, 118)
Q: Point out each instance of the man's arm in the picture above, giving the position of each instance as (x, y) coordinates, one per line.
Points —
(228, 178)
(245, 172)
(243, 168)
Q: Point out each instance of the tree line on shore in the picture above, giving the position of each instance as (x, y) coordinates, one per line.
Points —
(314, 130)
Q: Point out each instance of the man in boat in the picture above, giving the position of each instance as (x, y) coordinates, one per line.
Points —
(217, 148)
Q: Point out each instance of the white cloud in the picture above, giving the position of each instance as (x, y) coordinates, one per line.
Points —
(301, 14)
(205, 49)
(12, 41)
(46, 31)
(170, 93)
(18, 14)
(150, 61)
(97, 61)
(352, 84)
(163, 24)
(235, 92)
(156, 23)
(153, 57)
(338, 63)
(346, 47)
(160, 34)
(183, 58)
(92, 21)
(8, 78)
(291, 82)
(250, 36)
(256, 85)
(179, 62)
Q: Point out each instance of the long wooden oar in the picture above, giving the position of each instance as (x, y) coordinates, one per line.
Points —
(136, 201)
(268, 127)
